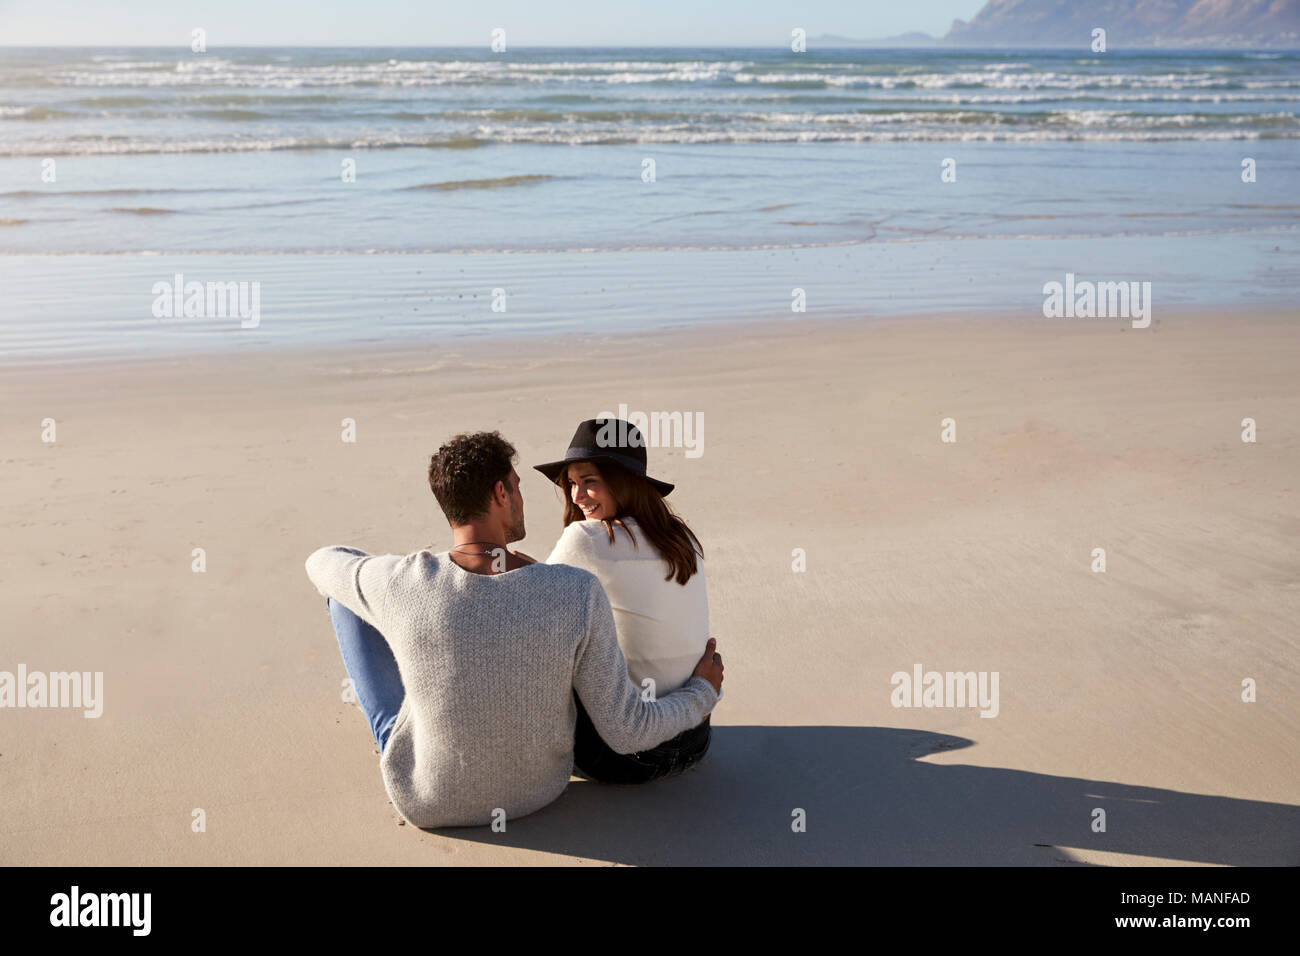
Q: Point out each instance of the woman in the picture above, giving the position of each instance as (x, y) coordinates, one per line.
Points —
(618, 527)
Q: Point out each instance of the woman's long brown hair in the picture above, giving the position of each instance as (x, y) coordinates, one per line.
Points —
(637, 498)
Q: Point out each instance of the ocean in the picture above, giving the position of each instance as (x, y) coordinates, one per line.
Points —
(391, 195)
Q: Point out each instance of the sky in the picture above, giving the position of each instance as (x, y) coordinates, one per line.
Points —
(461, 23)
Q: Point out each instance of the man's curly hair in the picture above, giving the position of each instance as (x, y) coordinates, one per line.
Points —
(465, 470)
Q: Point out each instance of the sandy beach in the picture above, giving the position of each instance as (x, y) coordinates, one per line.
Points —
(1119, 690)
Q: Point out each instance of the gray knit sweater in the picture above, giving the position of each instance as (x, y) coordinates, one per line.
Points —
(489, 664)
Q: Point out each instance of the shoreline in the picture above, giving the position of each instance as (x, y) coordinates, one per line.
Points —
(478, 347)
(89, 307)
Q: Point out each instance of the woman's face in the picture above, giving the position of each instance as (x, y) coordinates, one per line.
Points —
(588, 490)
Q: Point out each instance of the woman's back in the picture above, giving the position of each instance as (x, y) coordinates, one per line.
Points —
(662, 625)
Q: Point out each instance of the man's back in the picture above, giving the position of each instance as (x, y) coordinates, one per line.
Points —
(489, 663)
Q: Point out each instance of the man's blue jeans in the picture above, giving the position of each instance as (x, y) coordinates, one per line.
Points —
(373, 669)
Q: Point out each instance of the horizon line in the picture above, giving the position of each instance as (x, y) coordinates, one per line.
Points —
(875, 44)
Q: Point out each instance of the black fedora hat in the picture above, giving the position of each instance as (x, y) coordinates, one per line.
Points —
(610, 440)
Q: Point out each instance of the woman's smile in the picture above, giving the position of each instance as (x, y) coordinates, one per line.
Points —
(590, 493)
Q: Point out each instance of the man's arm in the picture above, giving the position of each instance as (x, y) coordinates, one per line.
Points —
(625, 721)
(357, 580)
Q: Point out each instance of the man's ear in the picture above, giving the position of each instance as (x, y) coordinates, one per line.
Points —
(501, 494)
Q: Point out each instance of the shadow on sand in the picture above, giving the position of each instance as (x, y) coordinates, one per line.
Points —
(869, 801)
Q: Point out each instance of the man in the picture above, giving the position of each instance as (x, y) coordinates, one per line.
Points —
(465, 661)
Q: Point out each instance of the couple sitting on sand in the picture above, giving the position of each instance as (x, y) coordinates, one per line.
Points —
(488, 678)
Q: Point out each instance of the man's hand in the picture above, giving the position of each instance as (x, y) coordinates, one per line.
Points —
(710, 665)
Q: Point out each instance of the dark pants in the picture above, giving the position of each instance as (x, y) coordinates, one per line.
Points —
(593, 759)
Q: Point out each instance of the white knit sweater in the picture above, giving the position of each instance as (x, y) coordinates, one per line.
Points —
(489, 664)
(662, 625)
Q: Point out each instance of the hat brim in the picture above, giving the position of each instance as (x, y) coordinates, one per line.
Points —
(554, 470)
